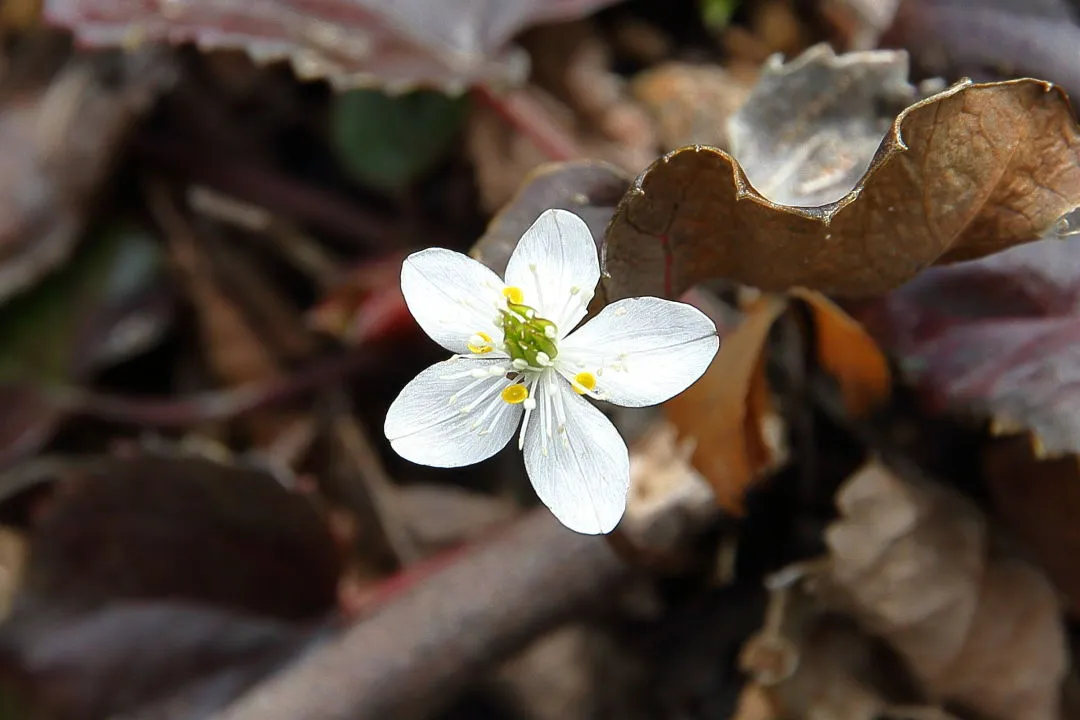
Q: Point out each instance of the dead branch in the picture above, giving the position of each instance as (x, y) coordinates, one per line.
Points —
(418, 650)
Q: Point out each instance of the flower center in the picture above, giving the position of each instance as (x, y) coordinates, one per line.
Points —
(527, 337)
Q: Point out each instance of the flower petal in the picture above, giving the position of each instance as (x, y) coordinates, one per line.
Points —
(448, 417)
(642, 351)
(556, 266)
(452, 297)
(576, 460)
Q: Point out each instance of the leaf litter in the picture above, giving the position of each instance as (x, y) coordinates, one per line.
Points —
(865, 508)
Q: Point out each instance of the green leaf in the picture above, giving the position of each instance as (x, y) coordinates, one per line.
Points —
(387, 142)
(716, 14)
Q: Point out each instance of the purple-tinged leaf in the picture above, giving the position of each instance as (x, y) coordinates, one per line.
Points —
(398, 44)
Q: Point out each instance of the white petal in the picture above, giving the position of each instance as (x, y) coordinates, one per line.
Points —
(451, 296)
(447, 417)
(642, 351)
(576, 460)
(556, 267)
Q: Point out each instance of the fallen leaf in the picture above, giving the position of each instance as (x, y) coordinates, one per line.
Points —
(188, 660)
(58, 143)
(859, 23)
(978, 629)
(810, 127)
(847, 353)
(387, 142)
(589, 189)
(19, 15)
(690, 104)
(993, 339)
(810, 662)
(164, 575)
(181, 527)
(991, 39)
(1038, 500)
(963, 174)
(669, 502)
(397, 44)
(731, 415)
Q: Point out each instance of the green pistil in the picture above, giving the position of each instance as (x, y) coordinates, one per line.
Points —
(526, 335)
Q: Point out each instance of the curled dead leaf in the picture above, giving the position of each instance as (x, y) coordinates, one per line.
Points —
(962, 174)
(810, 127)
(730, 413)
(978, 630)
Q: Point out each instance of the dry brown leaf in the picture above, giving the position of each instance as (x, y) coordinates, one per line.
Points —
(588, 188)
(965, 173)
(847, 353)
(810, 127)
(809, 662)
(1039, 501)
(859, 23)
(690, 104)
(730, 413)
(669, 502)
(977, 629)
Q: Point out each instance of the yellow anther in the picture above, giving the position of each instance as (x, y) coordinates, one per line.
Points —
(583, 382)
(514, 294)
(515, 394)
(482, 347)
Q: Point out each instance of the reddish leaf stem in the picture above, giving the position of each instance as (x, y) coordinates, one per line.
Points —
(531, 120)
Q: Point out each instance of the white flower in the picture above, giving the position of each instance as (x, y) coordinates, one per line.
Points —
(516, 356)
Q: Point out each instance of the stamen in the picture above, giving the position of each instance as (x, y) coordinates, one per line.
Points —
(583, 382)
(515, 394)
(483, 397)
(519, 363)
(529, 404)
(543, 359)
(514, 295)
(454, 397)
(480, 344)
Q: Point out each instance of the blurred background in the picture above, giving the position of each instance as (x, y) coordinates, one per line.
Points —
(864, 510)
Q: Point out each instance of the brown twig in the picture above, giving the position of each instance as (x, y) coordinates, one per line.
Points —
(266, 188)
(414, 653)
(210, 405)
(531, 120)
(364, 462)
